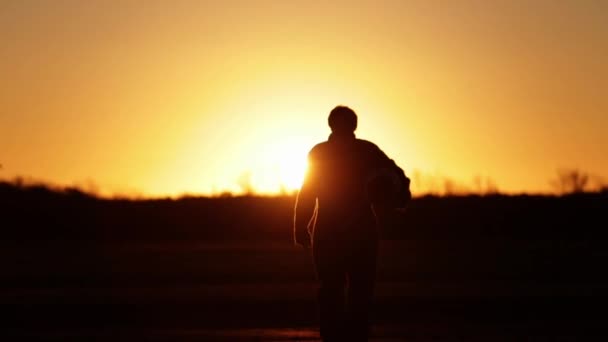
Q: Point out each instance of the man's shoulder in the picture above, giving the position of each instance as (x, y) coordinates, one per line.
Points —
(319, 148)
(367, 145)
(363, 146)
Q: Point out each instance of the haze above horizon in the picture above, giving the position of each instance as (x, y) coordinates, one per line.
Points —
(202, 97)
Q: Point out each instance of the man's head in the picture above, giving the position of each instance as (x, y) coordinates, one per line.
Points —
(342, 120)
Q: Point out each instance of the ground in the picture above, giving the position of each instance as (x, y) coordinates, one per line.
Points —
(444, 290)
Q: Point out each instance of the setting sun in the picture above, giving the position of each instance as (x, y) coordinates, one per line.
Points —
(292, 168)
(280, 167)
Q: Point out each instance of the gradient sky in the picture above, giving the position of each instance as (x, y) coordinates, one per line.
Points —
(166, 97)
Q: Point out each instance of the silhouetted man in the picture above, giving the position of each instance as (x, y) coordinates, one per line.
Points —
(336, 199)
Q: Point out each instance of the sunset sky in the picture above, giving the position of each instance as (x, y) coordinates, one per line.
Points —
(170, 97)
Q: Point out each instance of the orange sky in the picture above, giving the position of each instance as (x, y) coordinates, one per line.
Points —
(189, 96)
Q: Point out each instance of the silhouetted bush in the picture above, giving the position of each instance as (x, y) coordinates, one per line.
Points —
(570, 181)
(37, 212)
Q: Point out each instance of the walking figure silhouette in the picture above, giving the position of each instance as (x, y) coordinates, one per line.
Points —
(346, 178)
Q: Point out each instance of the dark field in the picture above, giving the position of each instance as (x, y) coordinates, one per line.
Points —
(453, 269)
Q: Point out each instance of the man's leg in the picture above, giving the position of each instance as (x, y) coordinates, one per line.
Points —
(331, 307)
(331, 293)
(361, 281)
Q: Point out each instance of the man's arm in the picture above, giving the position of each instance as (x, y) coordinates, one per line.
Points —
(404, 194)
(306, 202)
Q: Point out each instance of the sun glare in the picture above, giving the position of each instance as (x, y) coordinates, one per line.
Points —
(275, 119)
(291, 171)
(281, 167)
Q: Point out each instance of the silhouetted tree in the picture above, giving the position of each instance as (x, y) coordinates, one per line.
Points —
(571, 181)
(454, 188)
(485, 185)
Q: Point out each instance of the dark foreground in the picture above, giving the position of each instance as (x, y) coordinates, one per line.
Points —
(428, 291)
(473, 268)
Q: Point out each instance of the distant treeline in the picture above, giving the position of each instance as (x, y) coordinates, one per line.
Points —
(40, 213)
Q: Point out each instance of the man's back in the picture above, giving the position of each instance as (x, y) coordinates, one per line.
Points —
(339, 173)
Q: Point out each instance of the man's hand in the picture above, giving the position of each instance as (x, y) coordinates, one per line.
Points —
(302, 238)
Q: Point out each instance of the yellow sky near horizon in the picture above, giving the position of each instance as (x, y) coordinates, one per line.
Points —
(188, 96)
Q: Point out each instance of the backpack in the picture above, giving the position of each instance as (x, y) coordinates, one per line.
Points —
(389, 187)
